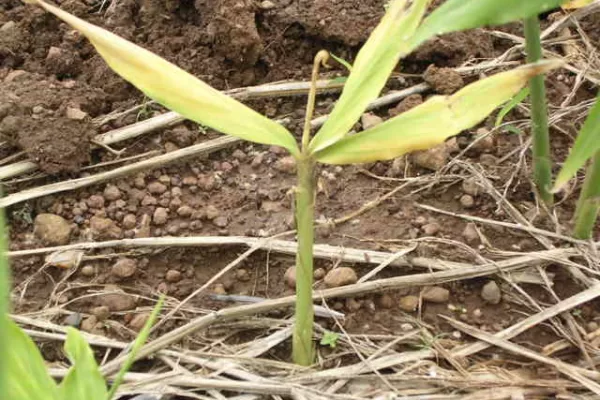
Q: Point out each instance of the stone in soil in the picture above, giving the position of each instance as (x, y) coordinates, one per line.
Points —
(443, 80)
(212, 212)
(101, 312)
(319, 273)
(112, 193)
(173, 276)
(491, 293)
(242, 275)
(73, 319)
(138, 321)
(290, 277)
(467, 201)
(88, 324)
(185, 211)
(470, 233)
(483, 141)
(406, 104)
(435, 294)
(340, 277)
(409, 303)
(52, 229)
(433, 159)
(431, 229)
(219, 289)
(369, 120)
(385, 301)
(117, 301)
(286, 165)
(156, 187)
(221, 222)
(88, 271)
(471, 187)
(129, 221)
(104, 229)
(161, 216)
(124, 268)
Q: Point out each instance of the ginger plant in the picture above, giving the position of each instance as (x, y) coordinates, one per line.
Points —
(402, 29)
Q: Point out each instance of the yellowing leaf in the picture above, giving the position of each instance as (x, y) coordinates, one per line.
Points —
(576, 4)
(432, 122)
(176, 89)
(586, 145)
(373, 65)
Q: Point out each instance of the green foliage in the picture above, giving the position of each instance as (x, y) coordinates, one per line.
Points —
(510, 105)
(586, 145)
(459, 15)
(84, 380)
(330, 339)
(399, 33)
(340, 60)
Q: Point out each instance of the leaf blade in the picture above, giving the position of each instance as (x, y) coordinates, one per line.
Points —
(26, 375)
(432, 122)
(83, 380)
(459, 15)
(176, 89)
(374, 63)
(586, 145)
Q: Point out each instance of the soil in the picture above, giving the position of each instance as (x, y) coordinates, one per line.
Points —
(54, 90)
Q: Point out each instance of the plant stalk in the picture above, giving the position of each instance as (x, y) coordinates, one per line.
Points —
(542, 166)
(588, 204)
(302, 346)
(302, 351)
(4, 298)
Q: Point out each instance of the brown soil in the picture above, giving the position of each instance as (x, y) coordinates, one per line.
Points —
(53, 87)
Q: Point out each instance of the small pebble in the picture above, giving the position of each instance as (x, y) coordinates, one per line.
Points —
(436, 294)
(467, 201)
(431, 229)
(157, 187)
(242, 275)
(319, 273)
(73, 319)
(385, 301)
(290, 277)
(124, 268)
(470, 233)
(101, 312)
(161, 215)
(491, 293)
(219, 289)
(340, 277)
(173, 276)
(409, 303)
(88, 271)
(138, 321)
(406, 327)
(112, 193)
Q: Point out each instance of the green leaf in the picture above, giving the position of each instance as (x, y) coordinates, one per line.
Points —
(137, 344)
(330, 339)
(178, 90)
(26, 375)
(340, 60)
(4, 306)
(373, 65)
(514, 130)
(508, 107)
(84, 379)
(586, 145)
(432, 122)
(459, 15)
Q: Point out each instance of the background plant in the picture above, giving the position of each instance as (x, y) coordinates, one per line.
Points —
(400, 31)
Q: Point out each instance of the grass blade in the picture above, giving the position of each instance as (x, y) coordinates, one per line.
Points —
(373, 65)
(176, 89)
(586, 145)
(588, 204)
(433, 121)
(508, 107)
(459, 15)
(137, 344)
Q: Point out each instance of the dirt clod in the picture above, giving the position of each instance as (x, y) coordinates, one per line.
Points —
(104, 229)
(433, 159)
(161, 216)
(101, 313)
(491, 293)
(157, 187)
(138, 321)
(88, 324)
(369, 120)
(470, 233)
(286, 165)
(431, 229)
(112, 193)
(443, 80)
(124, 268)
(52, 229)
(341, 276)
(406, 104)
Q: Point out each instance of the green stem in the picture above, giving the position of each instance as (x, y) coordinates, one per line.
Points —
(4, 297)
(542, 166)
(302, 351)
(588, 204)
